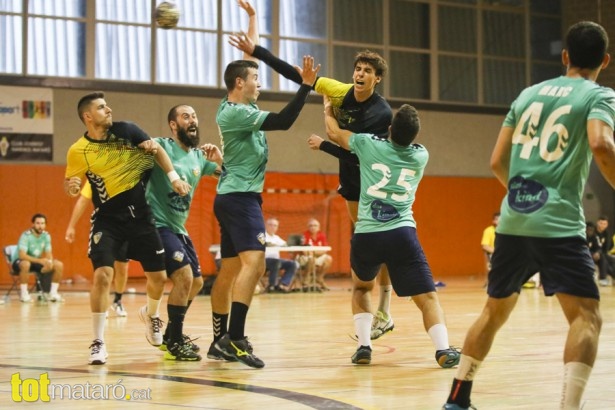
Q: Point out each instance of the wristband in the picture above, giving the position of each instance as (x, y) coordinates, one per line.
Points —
(173, 176)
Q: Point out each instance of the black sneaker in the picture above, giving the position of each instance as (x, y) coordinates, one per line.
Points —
(241, 350)
(181, 352)
(363, 355)
(448, 357)
(215, 354)
(185, 338)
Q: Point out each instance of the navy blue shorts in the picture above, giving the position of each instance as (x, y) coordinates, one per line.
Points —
(34, 267)
(400, 250)
(179, 252)
(565, 266)
(109, 235)
(242, 226)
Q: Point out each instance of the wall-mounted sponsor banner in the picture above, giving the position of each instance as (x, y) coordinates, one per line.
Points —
(26, 124)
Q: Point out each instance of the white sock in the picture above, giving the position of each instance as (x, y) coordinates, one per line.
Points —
(384, 304)
(363, 327)
(24, 288)
(98, 322)
(439, 336)
(576, 375)
(468, 366)
(54, 288)
(153, 307)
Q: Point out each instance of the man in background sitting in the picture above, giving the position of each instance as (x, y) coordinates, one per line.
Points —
(274, 262)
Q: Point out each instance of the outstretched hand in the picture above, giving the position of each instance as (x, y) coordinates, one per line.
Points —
(308, 73)
(247, 7)
(212, 153)
(242, 42)
(314, 141)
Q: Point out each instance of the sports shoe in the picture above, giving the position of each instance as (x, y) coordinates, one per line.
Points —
(453, 406)
(363, 355)
(98, 352)
(603, 282)
(448, 357)
(25, 298)
(119, 310)
(55, 297)
(381, 324)
(215, 354)
(241, 350)
(181, 352)
(185, 339)
(152, 327)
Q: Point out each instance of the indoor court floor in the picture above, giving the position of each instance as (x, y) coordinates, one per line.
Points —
(305, 342)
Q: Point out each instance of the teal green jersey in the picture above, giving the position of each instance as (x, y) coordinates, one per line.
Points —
(33, 245)
(550, 156)
(390, 175)
(244, 147)
(169, 208)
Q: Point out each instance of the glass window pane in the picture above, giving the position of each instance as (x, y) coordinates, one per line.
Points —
(56, 47)
(458, 79)
(203, 14)
(457, 29)
(503, 34)
(462, 1)
(230, 53)
(200, 68)
(60, 8)
(13, 6)
(546, 39)
(352, 17)
(293, 52)
(409, 24)
(126, 11)
(303, 18)
(408, 83)
(235, 19)
(123, 52)
(503, 81)
(11, 51)
(542, 72)
(343, 62)
(552, 7)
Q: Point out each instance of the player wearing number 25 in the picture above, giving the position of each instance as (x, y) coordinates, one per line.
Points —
(542, 155)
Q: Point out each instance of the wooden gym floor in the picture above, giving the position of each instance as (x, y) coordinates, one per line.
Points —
(304, 339)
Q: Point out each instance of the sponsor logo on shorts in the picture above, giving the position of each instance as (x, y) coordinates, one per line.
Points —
(97, 237)
(261, 238)
(178, 256)
(159, 251)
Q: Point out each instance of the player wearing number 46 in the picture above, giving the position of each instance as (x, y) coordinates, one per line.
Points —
(385, 233)
(542, 155)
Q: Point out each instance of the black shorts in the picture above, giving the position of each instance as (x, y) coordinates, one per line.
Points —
(565, 266)
(242, 226)
(350, 181)
(399, 249)
(109, 234)
(179, 252)
(34, 267)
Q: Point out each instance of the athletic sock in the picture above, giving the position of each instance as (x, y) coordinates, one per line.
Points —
(220, 325)
(175, 328)
(239, 312)
(576, 375)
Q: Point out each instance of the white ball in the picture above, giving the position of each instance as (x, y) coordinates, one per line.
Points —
(167, 15)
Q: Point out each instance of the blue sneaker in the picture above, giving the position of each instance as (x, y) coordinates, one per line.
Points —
(453, 406)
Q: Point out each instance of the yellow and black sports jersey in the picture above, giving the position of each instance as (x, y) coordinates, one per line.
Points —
(116, 167)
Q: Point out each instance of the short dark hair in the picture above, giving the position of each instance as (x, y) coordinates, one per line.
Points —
(374, 59)
(405, 126)
(36, 216)
(587, 43)
(85, 102)
(172, 116)
(237, 68)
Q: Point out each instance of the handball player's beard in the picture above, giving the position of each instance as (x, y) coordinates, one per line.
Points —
(187, 140)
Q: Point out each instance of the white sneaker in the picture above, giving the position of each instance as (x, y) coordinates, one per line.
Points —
(603, 282)
(381, 324)
(98, 352)
(119, 310)
(153, 327)
(55, 297)
(25, 298)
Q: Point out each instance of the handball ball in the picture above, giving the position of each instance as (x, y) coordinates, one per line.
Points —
(167, 15)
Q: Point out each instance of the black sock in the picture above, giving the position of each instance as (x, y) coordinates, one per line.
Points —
(175, 327)
(118, 298)
(237, 325)
(220, 323)
(460, 393)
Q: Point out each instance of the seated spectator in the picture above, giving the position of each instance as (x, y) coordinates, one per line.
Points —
(593, 243)
(274, 262)
(320, 261)
(33, 254)
(605, 268)
(488, 242)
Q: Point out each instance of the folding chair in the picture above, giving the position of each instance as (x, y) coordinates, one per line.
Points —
(8, 254)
